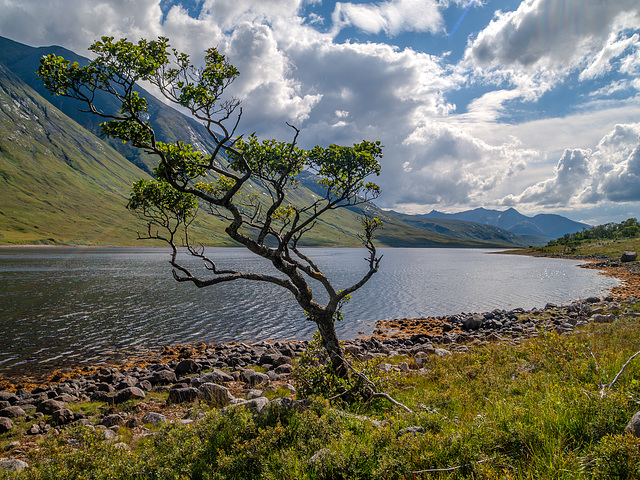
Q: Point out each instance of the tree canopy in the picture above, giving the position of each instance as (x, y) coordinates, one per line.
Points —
(187, 180)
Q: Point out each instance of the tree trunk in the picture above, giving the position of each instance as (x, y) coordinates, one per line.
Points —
(331, 344)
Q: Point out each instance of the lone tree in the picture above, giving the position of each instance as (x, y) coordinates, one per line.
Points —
(186, 178)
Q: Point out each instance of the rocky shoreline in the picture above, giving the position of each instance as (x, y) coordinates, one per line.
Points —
(167, 381)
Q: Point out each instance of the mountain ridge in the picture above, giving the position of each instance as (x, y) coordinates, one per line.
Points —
(546, 225)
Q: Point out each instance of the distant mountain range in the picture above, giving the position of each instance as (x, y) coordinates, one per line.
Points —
(545, 226)
(61, 184)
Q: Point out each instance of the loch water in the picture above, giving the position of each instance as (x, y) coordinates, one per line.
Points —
(63, 306)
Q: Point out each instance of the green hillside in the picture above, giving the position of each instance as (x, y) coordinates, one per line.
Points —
(60, 184)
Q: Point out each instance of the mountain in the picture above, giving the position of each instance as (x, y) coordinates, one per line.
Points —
(61, 184)
(467, 230)
(24, 61)
(56, 178)
(545, 226)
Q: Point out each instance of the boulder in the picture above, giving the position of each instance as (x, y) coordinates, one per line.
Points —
(127, 381)
(112, 420)
(49, 406)
(13, 464)
(216, 395)
(186, 367)
(162, 377)
(257, 378)
(181, 395)
(63, 416)
(628, 256)
(154, 418)
(129, 393)
(101, 397)
(217, 376)
(12, 412)
(5, 424)
(633, 427)
(9, 397)
(473, 322)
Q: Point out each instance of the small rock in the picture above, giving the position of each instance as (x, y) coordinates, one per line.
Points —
(63, 416)
(603, 318)
(256, 404)
(284, 369)
(145, 385)
(320, 455)
(65, 398)
(410, 430)
(253, 393)
(34, 429)
(441, 352)
(133, 423)
(289, 387)
(49, 406)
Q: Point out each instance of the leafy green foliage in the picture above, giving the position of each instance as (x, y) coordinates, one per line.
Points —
(630, 228)
(163, 205)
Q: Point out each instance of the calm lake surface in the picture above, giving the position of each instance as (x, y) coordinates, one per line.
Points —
(62, 306)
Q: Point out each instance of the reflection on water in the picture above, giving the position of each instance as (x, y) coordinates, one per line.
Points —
(70, 305)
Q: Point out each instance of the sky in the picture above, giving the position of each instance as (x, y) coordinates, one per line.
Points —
(531, 104)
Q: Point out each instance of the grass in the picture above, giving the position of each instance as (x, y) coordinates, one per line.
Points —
(534, 410)
(598, 248)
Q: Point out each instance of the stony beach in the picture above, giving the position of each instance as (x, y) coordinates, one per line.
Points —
(168, 380)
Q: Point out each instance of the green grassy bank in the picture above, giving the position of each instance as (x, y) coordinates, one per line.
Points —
(544, 408)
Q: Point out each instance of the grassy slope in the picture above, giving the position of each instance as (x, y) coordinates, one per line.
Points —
(58, 182)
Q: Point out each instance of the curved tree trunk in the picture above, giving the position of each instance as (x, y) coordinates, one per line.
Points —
(331, 344)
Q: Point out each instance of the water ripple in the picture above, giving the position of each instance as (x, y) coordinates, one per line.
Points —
(63, 305)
